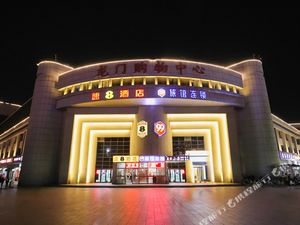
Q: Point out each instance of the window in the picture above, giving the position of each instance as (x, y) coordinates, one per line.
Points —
(108, 147)
(298, 141)
(283, 148)
(183, 144)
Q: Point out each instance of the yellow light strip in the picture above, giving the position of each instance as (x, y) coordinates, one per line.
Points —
(248, 60)
(7, 103)
(86, 127)
(23, 121)
(79, 119)
(207, 142)
(285, 124)
(92, 148)
(191, 118)
(148, 77)
(216, 140)
(53, 62)
(226, 151)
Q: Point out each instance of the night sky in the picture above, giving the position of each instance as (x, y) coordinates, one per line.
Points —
(219, 36)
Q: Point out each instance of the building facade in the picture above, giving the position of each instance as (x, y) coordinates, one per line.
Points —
(148, 121)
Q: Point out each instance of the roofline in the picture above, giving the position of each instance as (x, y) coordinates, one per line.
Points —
(53, 62)
(162, 59)
(288, 125)
(244, 61)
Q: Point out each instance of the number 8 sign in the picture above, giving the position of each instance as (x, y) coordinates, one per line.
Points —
(160, 128)
(142, 129)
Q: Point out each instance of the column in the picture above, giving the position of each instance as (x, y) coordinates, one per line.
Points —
(257, 143)
(42, 147)
(152, 144)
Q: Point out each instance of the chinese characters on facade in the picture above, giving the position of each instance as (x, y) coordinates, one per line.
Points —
(159, 67)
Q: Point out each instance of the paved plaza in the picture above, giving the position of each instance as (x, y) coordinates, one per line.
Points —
(141, 206)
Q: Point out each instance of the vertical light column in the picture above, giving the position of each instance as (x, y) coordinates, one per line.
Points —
(189, 171)
(42, 146)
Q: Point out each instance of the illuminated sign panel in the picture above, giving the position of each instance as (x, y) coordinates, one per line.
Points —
(132, 165)
(139, 93)
(160, 128)
(10, 160)
(135, 159)
(177, 158)
(149, 92)
(124, 93)
(95, 96)
(161, 92)
(109, 95)
(142, 129)
(145, 165)
(126, 158)
(152, 158)
(288, 156)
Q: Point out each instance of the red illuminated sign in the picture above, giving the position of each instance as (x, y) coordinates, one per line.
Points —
(9, 160)
(95, 96)
(157, 165)
(124, 93)
(160, 128)
(132, 165)
(139, 93)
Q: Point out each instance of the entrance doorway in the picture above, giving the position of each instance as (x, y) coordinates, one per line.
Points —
(140, 173)
(200, 173)
(176, 175)
(103, 175)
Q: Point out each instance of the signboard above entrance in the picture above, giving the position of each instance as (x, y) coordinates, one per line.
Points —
(126, 158)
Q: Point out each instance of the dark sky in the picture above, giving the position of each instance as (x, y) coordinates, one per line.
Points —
(220, 36)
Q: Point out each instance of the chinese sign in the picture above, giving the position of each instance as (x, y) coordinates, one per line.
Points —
(152, 158)
(160, 128)
(288, 156)
(126, 158)
(142, 129)
(145, 165)
(181, 93)
(153, 66)
(178, 158)
(10, 160)
(150, 92)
